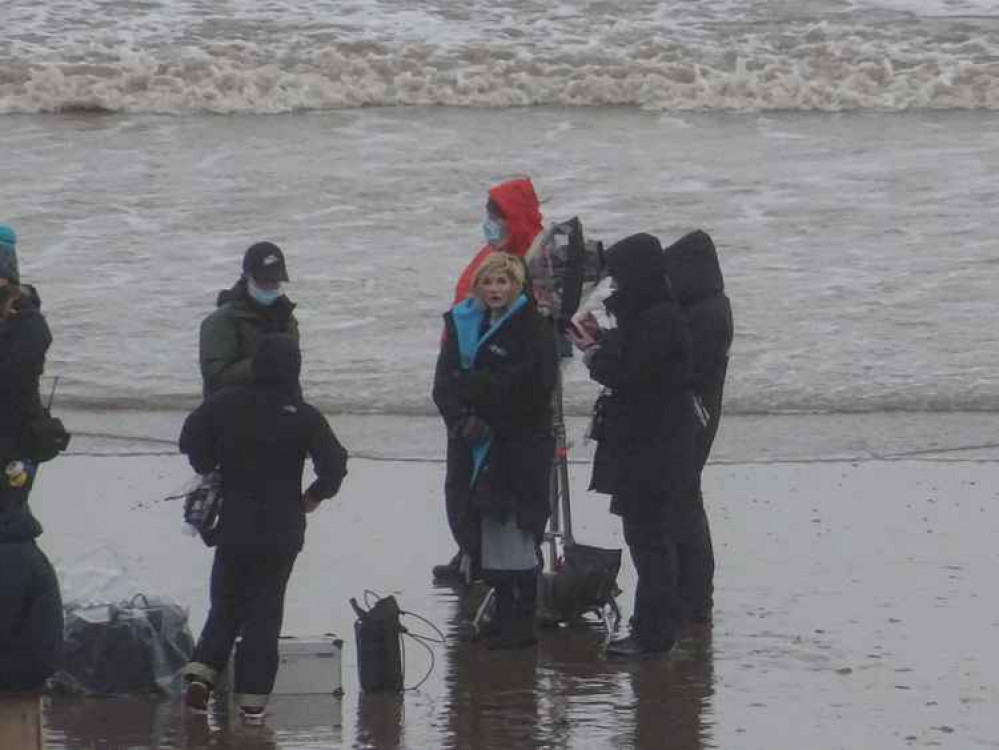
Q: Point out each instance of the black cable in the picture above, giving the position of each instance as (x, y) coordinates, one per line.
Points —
(423, 640)
(430, 669)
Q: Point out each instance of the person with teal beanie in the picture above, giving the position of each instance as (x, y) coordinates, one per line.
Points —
(8, 253)
(24, 340)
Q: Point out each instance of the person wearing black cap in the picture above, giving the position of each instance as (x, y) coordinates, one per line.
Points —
(258, 436)
(252, 309)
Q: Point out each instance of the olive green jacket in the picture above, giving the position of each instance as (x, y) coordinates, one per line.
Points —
(231, 335)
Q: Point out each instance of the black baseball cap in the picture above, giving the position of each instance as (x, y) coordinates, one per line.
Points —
(264, 261)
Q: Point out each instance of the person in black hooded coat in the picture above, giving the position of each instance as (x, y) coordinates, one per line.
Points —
(24, 341)
(259, 437)
(31, 619)
(645, 425)
(695, 275)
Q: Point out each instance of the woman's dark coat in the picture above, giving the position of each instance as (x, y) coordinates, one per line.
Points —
(696, 278)
(24, 340)
(509, 388)
(645, 422)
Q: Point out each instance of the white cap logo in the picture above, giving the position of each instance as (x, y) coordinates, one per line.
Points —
(270, 260)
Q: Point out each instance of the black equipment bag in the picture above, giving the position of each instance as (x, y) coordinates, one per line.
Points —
(585, 582)
(379, 651)
(134, 647)
(45, 437)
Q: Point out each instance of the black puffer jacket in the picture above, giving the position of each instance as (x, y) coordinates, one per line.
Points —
(260, 436)
(645, 422)
(510, 388)
(30, 606)
(695, 274)
(24, 340)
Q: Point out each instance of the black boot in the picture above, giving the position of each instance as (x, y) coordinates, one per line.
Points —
(517, 629)
(448, 572)
(630, 647)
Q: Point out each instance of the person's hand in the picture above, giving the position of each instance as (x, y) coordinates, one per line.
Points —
(582, 332)
(474, 429)
(587, 322)
(309, 503)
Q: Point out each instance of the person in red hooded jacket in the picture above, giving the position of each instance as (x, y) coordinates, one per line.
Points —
(513, 221)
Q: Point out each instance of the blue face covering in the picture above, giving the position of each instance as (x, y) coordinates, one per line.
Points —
(493, 231)
(263, 296)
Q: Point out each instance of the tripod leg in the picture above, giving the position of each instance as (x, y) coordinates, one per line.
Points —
(485, 610)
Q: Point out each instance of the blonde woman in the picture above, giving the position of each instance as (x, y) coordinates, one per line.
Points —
(493, 387)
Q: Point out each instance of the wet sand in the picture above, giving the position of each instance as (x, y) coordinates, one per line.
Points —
(854, 602)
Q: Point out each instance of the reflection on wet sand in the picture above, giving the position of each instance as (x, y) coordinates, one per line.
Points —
(562, 694)
(112, 723)
(379, 721)
(125, 723)
(565, 695)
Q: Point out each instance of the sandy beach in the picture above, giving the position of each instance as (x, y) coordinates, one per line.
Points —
(853, 604)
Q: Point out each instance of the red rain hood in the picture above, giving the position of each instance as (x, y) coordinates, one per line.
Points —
(522, 211)
(519, 204)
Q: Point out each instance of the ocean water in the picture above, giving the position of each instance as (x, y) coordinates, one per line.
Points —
(841, 154)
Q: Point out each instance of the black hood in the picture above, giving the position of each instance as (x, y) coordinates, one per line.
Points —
(637, 266)
(18, 525)
(693, 269)
(278, 361)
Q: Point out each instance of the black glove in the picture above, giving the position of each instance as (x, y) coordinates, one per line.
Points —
(470, 385)
(474, 430)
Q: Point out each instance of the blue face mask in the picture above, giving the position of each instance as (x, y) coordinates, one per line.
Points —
(493, 231)
(263, 296)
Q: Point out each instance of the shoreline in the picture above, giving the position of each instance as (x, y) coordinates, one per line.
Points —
(742, 438)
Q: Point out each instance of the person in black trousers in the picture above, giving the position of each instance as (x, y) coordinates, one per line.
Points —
(645, 425)
(259, 436)
(696, 278)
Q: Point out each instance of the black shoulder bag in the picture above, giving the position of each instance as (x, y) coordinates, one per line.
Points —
(45, 436)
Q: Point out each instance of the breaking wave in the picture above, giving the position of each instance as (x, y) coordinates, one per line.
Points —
(738, 59)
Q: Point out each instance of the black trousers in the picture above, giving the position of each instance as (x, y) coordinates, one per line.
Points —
(696, 562)
(247, 600)
(651, 531)
(462, 518)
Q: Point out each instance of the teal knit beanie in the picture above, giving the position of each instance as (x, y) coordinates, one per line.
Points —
(8, 254)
